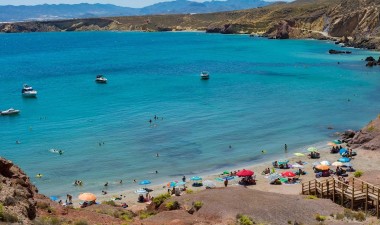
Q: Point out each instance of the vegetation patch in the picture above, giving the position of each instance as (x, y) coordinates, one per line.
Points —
(371, 128)
(311, 197)
(189, 191)
(352, 215)
(244, 220)
(358, 173)
(7, 217)
(197, 205)
(160, 199)
(47, 220)
(81, 222)
(110, 202)
(172, 205)
(145, 214)
(320, 218)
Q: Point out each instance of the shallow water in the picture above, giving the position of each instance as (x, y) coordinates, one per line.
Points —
(261, 94)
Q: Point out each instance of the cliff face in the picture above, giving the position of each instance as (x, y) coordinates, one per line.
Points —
(368, 137)
(16, 194)
(357, 19)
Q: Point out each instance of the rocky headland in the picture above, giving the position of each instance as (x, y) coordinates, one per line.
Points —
(354, 23)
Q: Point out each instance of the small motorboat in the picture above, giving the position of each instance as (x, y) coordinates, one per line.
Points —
(28, 92)
(100, 79)
(10, 111)
(205, 75)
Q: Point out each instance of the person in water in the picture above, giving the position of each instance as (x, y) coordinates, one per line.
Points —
(106, 184)
(286, 148)
(157, 155)
(156, 171)
(150, 121)
(60, 152)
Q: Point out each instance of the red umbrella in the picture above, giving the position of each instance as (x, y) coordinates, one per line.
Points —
(244, 173)
(288, 174)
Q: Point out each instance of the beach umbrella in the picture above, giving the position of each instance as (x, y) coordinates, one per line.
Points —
(88, 197)
(145, 182)
(312, 149)
(229, 178)
(141, 191)
(344, 159)
(326, 163)
(343, 151)
(331, 144)
(337, 142)
(196, 178)
(288, 174)
(245, 173)
(171, 184)
(209, 183)
(322, 167)
(316, 163)
(180, 183)
(226, 172)
(54, 198)
(299, 154)
(274, 176)
(337, 164)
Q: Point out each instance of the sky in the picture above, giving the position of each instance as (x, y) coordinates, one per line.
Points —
(129, 3)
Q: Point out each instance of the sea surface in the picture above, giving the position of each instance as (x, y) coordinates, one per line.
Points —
(261, 94)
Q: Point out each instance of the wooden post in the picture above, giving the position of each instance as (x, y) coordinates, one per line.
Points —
(362, 186)
(322, 191)
(334, 190)
(377, 204)
(352, 198)
(315, 187)
(327, 188)
(366, 199)
(342, 195)
(309, 187)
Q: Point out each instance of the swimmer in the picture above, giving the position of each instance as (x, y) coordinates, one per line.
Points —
(156, 171)
(157, 155)
(134, 181)
(18, 142)
(60, 152)
(230, 146)
(155, 117)
(263, 151)
(106, 184)
(121, 181)
(150, 121)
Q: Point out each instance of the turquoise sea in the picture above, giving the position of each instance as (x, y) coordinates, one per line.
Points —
(261, 94)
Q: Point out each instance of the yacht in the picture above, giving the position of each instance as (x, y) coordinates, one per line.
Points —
(27, 91)
(10, 111)
(100, 79)
(205, 75)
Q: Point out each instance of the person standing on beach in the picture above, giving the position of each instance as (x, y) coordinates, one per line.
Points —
(184, 179)
(286, 148)
(225, 182)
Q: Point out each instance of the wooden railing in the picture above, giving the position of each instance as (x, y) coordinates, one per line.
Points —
(357, 191)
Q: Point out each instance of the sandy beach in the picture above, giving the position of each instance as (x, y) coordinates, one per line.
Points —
(360, 162)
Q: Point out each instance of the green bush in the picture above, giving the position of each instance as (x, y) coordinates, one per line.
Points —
(42, 205)
(110, 202)
(339, 216)
(358, 173)
(160, 199)
(198, 205)
(371, 128)
(47, 220)
(145, 214)
(348, 214)
(244, 220)
(189, 191)
(172, 205)
(320, 218)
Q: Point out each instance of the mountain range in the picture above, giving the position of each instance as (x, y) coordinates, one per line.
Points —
(10, 13)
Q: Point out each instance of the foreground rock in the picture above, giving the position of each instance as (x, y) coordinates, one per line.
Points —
(16, 194)
(368, 137)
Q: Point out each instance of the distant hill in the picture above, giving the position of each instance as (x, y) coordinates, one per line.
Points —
(64, 11)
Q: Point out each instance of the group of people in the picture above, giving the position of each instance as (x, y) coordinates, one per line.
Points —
(280, 165)
(78, 183)
(314, 155)
(147, 198)
(335, 149)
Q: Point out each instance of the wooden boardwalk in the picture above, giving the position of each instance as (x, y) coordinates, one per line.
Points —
(357, 194)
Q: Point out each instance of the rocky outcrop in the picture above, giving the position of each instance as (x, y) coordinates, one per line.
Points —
(368, 137)
(16, 194)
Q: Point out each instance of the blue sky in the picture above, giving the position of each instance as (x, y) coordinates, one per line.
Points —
(129, 3)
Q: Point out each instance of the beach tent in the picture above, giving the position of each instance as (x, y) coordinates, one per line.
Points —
(88, 197)
(245, 173)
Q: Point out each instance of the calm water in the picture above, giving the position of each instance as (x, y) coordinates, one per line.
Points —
(262, 94)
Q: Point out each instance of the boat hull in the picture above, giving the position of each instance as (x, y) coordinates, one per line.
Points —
(30, 94)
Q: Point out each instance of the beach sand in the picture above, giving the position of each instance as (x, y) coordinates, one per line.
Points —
(364, 161)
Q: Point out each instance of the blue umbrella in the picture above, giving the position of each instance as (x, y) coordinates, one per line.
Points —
(196, 178)
(54, 198)
(344, 159)
(229, 178)
(343, 151)
(145, 182)
(283, 162)
(180, 183)
(337, 142)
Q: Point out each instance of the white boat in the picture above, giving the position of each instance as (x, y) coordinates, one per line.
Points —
(10, 111)
(205, 75)
(27, 91)
(100, 79)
